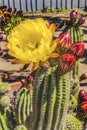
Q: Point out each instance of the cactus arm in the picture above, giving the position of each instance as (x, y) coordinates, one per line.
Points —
(19, 106)
(36, 103)
(50, 102)
(71, 32)
(64, 103)
(43, 103)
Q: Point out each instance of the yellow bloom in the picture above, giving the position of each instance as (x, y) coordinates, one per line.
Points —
(31, 41)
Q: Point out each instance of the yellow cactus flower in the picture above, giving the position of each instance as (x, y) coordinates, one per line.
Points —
(31, 41)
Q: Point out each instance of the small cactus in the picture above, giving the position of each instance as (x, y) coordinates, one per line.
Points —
(23, 106)
(4, 101)
(20, 127)
(73, 123)
(4, 87)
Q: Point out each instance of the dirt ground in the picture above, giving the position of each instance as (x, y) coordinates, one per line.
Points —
(15, 70)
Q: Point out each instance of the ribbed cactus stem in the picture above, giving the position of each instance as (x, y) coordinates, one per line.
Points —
(64, 102)
(23, 106)
(50, 102)
(57, 102)
(43, 103)
(3, 122)
(51, 105)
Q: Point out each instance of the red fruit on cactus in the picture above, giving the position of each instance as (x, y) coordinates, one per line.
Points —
(77, 49)
(83, 76)
(1, 37)
(66, 62)
(84, 106)
(83, 95)
(81, 20)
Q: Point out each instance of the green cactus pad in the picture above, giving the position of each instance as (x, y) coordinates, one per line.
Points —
(73, 123)
(4, 101)
(20, 127)
(4, 87)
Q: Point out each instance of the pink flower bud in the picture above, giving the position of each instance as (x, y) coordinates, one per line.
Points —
(23, 81)
(5, 77)
(63, 42)
(73, 14)
(81, 20)
(77, 49)
(83, 76)
(66, 62)
(30, 78)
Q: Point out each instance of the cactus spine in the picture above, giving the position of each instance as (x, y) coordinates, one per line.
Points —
(50, 106)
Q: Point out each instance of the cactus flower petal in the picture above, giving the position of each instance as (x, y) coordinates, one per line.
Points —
(35, 45)
(84, 106)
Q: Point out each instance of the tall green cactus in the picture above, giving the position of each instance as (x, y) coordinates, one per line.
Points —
(76, 35)
(50, 103)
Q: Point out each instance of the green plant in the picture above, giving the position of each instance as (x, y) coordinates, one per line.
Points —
(20, 127)
(23, 106)
(73, 123)
(9, 19)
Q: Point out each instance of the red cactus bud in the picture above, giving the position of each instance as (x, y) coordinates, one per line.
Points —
(81, 20)
(5, 77)
(30, 78)
(23, 81)
(66, 63)
(77, 49)
(84, 106)
(47, 23)
(1, 37)
(73, 14)
(83, 95)
(63, 42)
(83, 76)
